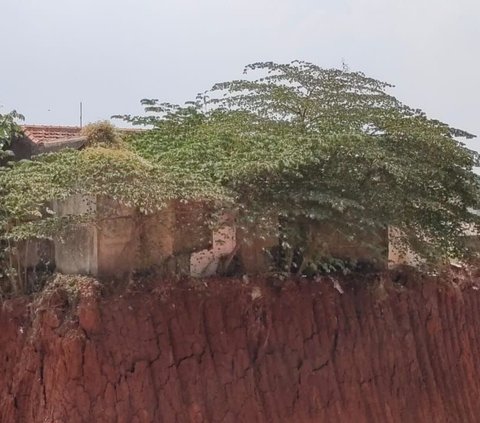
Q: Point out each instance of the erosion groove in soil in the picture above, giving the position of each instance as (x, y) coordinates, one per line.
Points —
(238, 352)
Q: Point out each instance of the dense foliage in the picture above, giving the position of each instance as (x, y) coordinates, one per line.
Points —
(324, 145)
(9, 129)
(293, 147)
(28, 188)
(102, 133)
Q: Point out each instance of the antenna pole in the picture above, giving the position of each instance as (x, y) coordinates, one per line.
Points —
(81, 115)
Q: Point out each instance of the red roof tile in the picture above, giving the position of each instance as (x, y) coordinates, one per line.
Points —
(40, 134)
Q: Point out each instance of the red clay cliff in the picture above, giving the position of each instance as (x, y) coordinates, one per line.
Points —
(232, 351)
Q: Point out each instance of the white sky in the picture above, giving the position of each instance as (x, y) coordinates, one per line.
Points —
(112, 53)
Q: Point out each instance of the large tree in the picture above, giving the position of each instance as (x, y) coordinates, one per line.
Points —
(301, 142)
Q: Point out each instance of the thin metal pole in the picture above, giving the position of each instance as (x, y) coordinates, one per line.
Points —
(81, 115)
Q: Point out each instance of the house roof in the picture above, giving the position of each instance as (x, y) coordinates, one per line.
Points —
(52, 138)
(43, 134)
(53, 133)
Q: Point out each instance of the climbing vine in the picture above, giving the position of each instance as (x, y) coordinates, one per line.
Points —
(29, 187)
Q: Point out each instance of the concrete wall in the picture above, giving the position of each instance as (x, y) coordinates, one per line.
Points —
(192, 232)
(398, 254)
(206, 262)
(122, 240)
(253, 251)
(332, 241)
(178, 240)
(128, 240)
(157, 237)
(118, 240)
(76, 251)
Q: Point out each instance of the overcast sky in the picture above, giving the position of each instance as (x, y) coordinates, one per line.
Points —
(112, 53)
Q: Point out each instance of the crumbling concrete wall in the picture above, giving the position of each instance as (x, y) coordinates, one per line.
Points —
(178, 240)
(206, 262)
(122, 240)
(118, 241)
(76, 251)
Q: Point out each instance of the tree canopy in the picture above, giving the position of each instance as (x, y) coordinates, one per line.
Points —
(327, 145)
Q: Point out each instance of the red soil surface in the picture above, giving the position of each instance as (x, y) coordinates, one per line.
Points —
(244, 352)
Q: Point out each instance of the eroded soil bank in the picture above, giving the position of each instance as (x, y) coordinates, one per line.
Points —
(234, 351)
